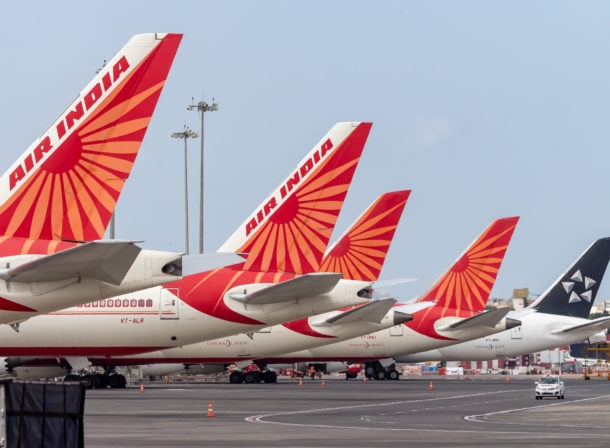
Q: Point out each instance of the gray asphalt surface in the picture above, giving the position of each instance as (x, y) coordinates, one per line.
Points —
(480, 411)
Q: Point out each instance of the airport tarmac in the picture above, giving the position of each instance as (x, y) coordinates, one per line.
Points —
(479, 411)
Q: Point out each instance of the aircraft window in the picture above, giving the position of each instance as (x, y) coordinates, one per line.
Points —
(149, 302)
(117, 302)
(87, 305)
(125, 303)
(134, 303)
(102, 303)
(110, 303)
(141, 303)
(94, 304)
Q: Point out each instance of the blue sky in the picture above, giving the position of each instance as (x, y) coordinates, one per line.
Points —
(483, 109)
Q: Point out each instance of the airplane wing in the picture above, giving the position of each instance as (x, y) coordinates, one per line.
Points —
(371, 312)
(105, 260)
(308, 285)
(596, 325)
(488, 318)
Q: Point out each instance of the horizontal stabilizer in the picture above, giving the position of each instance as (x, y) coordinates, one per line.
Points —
(593, 326)
(308, 285)
(196, 263)
(106, 260)
(487, 318)
(371, 312)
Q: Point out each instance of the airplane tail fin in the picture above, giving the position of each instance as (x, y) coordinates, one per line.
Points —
(291, 229)
(361, 251)
(468, 283)
(574, 292)
(66, 184)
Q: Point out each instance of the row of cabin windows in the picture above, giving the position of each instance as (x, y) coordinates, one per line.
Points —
(109, 303)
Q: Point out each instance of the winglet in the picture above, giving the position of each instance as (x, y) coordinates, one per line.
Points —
(574, 292)
(361, 251)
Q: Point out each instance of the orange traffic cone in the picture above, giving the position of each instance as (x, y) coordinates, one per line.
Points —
(141, 387)
(364, 379)
(301, 382)
(431, 386)
(323, 383)
(508, 379)
(210, 410)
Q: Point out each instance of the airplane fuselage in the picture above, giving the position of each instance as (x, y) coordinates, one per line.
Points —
(156, 318)
(538, 331)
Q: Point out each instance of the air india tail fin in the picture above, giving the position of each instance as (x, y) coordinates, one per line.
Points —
(574, 292)
(290, 230)
(66, 184)
(468, 283)
(361, 251)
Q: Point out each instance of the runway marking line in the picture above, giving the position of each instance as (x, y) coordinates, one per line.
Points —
(262, 418)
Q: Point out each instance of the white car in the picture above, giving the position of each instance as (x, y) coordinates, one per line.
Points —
(550, 386)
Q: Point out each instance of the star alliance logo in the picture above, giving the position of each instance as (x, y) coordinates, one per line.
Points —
(577, 280)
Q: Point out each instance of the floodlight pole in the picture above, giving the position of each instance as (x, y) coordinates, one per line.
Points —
(187, 133)
(202, 107)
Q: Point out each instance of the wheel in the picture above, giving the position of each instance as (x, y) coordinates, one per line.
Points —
(392, 375)
(116, 381)
(91, 381)
(72, 378)
(236, 377)
(380, 375)
(258, 376)
(249, 377)
(103, 380)
(270, 377)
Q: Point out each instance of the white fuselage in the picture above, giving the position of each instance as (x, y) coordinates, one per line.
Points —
(153, 319)
(269, 341)
(538, 331)
(281, 344)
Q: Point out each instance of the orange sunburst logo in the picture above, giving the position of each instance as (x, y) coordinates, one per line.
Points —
(72, 194)
(295, 236)
(464, 289)
(361, 252)
(467, 285)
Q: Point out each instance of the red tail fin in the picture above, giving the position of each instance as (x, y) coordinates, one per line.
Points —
(468, 283)
(291, 229)
(361, 251)
(67, 183)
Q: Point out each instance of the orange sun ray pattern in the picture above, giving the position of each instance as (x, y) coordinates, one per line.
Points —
(72, 193)
(361, 252)
(464, 289)
(294, 237)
